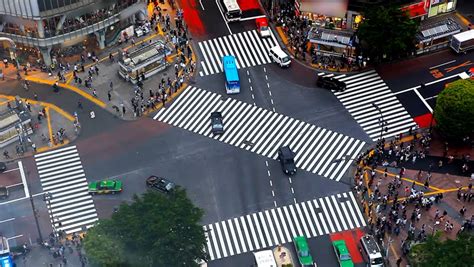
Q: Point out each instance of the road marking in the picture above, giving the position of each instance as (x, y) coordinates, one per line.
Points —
(431, 97)
(23, 179)
(13, 237)
(465, 64)
(442, 64)
(7, 220)
(429, 83)
(11, 170)
(252, 18)
(13, 185)
(423, 100)
(222, 14)
(202, 6)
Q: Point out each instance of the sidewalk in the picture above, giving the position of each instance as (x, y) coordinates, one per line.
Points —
(114, 94)
(405, 204)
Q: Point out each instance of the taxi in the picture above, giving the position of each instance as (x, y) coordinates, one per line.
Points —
(105, 187)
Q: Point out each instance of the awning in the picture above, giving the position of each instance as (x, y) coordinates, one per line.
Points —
(330, 8)
(439, 30)
(329, 38)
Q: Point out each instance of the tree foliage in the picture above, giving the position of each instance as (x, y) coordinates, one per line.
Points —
(102, 248)
(454, 111)
(435, 252)
(386, 33)
(156, 229)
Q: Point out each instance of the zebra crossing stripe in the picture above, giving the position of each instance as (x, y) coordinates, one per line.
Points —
(247, 47)
(318, 150)
(369, 100)
(279, 225)
(71, 208)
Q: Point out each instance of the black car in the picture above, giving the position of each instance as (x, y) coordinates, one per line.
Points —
(217, 123)
(3, 192)
(159, 183)
(3, 167)
(331, 84)
(287, 160)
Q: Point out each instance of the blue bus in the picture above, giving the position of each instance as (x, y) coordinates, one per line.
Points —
(232, 82)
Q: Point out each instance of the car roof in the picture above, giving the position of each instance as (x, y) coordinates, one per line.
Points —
(216, 114)
(341, 246)
(301, 242)
(286, 151)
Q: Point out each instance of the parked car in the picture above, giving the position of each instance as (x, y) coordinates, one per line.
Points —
(105, 187)
(342, 253)
(331, 83)
(3, 192)
(287, 160)
(217, 123)
(302, 250)
(160, 183)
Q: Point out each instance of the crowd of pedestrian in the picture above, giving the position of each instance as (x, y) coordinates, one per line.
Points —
(395, 207)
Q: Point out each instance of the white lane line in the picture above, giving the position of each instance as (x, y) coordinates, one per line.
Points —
(11, 170)
(13, 237)
(7, 220)
(423, 100)
(200, 2)
(222, 14)
(23, 179)
(442, 64)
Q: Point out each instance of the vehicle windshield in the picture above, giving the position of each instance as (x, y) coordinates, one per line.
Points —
(377, 261)
(345, 257)
(218, 126)
(264, 28)
(234, 14)
(304, 253)
(285, 59)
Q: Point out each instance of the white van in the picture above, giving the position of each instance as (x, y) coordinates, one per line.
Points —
(371, 251)
(280, 57)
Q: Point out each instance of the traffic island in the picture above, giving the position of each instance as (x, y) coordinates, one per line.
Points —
(40, 127)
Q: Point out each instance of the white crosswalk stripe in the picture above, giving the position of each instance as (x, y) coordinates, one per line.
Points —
(318, 150)
(363, 91)
(61, 174)
(247, 47)
(340, 212)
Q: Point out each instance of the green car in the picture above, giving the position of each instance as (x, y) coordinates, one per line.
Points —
(342, 253)
(105, 187)
(302, 249)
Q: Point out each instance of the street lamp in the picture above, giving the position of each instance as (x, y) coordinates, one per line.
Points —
(48, 197)
(382, 121)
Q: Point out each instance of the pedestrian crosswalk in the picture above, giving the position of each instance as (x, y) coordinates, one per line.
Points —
(261, 131)
(373, 105)
(247, 47)
(70, 206)
(269, 228)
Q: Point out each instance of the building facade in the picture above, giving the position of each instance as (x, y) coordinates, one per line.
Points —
(39, 26)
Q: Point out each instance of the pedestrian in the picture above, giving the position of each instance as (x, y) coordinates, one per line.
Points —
(35, 97)
(462, 211)
(33, 145)
(94, 93)
(109, 95)
(123, 110)
(6, 155)
(111, 85)
(399, 261)
(79, 105)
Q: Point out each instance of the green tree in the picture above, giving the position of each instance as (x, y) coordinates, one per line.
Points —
(103, 249)
(454, 111)
(158, 230)
(386, 33)
(435, 252)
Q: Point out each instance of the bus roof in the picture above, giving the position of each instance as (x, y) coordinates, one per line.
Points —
(230, 69)
(464, 36)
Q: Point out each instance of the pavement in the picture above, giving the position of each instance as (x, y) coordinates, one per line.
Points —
(444, 181)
